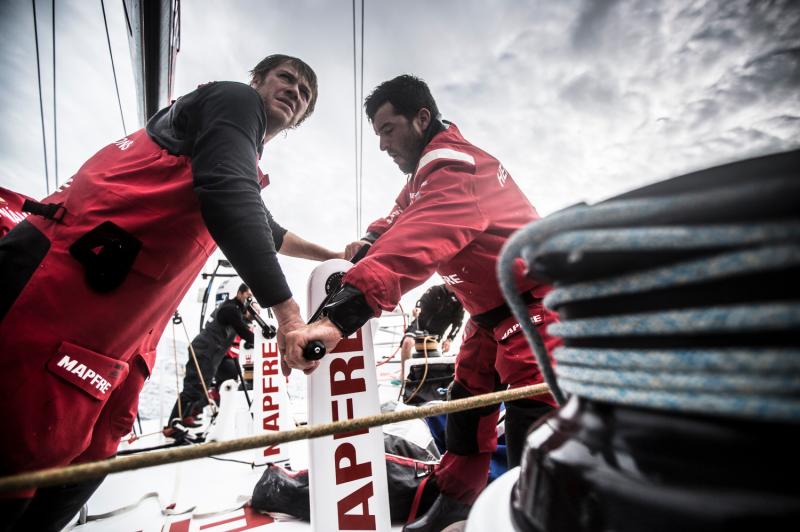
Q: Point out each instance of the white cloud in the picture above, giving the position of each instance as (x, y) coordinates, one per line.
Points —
(580, 99)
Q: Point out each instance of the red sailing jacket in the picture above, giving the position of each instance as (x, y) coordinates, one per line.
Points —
(10, 210)
(452, 217)
(75, 347)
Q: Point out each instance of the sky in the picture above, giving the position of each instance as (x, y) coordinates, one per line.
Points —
(580, 100)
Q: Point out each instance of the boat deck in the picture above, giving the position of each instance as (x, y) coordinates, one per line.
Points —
(208, 494)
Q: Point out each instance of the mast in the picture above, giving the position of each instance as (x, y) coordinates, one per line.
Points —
(154, 39)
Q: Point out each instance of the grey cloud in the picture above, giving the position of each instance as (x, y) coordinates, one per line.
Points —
(783, 126)
(765, 81)
(595, 90)
(738, 143)
(776, 68)
(591, 25)
(590, 92)
(702, 112)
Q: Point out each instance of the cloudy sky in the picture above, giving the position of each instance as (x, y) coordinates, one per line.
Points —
(581, 100)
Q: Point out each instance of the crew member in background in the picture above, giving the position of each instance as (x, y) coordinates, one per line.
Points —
(437, 310)
(458, 207)
(229, 368)
(90, 283)
(228, 321)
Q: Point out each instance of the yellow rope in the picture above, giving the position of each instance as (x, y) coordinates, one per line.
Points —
(424, 373)
(81, 472)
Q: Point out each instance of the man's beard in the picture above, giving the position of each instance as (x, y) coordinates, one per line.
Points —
(409, 167)
(410, 164)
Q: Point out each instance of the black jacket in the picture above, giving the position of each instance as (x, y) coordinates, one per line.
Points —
(221, 126)
(439, 309)
(221, 329)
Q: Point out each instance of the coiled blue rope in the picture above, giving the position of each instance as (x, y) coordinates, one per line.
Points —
(722, 266)
(756, 382)
(724, 319)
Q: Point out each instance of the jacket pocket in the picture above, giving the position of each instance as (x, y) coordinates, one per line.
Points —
(95, 374)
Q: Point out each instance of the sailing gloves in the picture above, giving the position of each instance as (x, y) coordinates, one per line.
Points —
(348, 310)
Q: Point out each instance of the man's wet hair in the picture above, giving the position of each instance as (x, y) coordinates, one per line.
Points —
(242, 288)
(273, 61)
(407, 94)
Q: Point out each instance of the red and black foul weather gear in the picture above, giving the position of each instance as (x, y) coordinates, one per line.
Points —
(452, 217)
(87, 294)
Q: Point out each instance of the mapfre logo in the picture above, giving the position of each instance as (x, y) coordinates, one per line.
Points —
(95, 374)
(452, 279)
(393, 215)
(124, 143)
(84, 373)
(536, 319)
(12, 215)
(502, 175)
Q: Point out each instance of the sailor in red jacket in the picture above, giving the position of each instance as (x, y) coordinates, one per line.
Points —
(91, 280)
(456, 210)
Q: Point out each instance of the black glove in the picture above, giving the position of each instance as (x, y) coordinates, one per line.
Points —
(348, 310)
(248, 345)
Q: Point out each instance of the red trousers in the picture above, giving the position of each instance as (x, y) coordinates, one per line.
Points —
(488, 361)
(74, 350)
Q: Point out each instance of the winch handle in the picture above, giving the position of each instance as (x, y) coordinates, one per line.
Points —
(315, 349)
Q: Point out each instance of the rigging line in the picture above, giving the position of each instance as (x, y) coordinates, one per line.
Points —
(355, 123)
(55, 112)
(41, 104)
(361, 134)
(79, 472)
(177, 379)
(113, 68)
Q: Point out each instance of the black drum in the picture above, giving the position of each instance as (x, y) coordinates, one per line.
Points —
(680, 311)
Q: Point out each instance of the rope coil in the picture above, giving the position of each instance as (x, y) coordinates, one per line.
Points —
(722, 266)
(734, 318)
(685, 300)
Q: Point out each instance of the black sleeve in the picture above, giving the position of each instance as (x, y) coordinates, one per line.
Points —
(231, 316)
(457, 320)
(278, 232)
(370, 237)
(424, 302)
(230, 124)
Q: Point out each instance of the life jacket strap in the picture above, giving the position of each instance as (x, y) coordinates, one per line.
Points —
(51, 211)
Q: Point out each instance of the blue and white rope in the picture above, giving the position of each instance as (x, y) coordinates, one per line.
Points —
(733, 404)
(722, 319)
(717, 267)
(731, 360)
(781, 384)
(755, 382)
(668, 238)
(734, 382)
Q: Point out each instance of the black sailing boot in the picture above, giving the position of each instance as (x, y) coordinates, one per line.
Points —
(444, 512)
